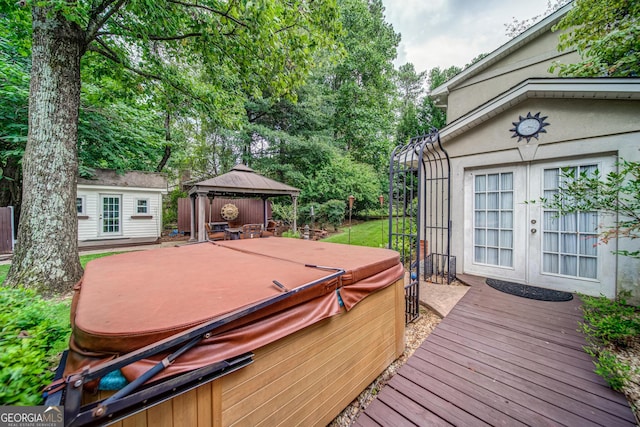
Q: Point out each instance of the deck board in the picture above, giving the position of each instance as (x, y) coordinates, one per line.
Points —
(497, 359)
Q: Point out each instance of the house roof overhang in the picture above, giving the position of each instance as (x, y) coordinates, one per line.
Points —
(578, 88)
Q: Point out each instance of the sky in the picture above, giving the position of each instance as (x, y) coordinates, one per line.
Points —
(442, 33)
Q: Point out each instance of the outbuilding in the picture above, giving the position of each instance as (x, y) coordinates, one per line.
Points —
(120, 208)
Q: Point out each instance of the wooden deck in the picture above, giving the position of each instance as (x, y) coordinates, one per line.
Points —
(502, 360)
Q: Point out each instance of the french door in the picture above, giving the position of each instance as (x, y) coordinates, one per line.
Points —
(514, 237)
(110, 215)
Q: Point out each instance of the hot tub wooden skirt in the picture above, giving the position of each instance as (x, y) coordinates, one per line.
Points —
(306, 378)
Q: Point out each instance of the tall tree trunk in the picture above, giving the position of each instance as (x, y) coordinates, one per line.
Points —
(167, 147)
(46, 255)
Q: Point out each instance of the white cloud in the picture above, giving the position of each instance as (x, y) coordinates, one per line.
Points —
(441, 33)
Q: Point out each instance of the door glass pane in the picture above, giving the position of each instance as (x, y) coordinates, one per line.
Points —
(550, 242)
(569, 265)
(550, 263)
(493, 219)
(588, 222)
(506, 257)
(506, 219)
(492, 237)
(568, 243)
(588, 245)
(588, 267)
(111, 214)
(551, 178)
(493, 182)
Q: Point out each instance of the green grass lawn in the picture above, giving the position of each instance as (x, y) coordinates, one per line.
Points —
(368, 233)
(4, 269)
(84, 259)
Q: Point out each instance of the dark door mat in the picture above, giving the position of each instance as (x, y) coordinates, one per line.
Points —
(527, 291)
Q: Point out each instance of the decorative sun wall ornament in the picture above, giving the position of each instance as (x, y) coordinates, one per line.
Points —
(529, 127)
(229, 212)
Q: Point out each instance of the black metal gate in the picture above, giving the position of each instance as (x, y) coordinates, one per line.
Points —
(420, 215)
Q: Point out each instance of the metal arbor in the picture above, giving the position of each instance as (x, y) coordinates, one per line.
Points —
(420, 214)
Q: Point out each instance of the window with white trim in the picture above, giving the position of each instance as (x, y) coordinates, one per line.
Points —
(142, 207)
(81, 205)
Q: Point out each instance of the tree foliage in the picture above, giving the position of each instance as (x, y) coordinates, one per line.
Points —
(606, 34)
(342, 177)
(517, 26)
(210, 54)
(362, 82)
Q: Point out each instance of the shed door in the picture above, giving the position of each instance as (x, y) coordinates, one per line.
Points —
(512, 239)
(110, 215)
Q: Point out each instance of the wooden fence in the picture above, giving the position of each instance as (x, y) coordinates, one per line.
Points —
(6, 230)
(251, 212)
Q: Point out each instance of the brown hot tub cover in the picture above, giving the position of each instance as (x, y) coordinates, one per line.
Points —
(128, 301)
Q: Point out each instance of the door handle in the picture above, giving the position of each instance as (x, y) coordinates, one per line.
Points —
(533, 231)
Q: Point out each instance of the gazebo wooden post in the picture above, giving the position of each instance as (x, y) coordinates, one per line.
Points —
(202, 200)
(295, 213)
(264, 210)
(192, 203)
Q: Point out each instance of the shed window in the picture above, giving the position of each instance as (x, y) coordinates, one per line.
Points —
(81, 205)
(142, 206)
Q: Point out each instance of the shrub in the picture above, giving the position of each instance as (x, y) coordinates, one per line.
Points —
(34, 332)
(283, 212)
(170, 212)
(609, 324)
(333, 212)
(610, 321)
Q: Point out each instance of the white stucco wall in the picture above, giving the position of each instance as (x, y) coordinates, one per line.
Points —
(578, 129)
(534, 61)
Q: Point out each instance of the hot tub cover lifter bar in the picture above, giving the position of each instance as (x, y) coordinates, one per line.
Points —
(75, 415)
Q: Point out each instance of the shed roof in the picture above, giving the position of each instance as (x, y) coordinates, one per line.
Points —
(141, 179)
(242, 180)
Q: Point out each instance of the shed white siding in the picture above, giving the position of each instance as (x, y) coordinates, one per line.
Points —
(132, 225)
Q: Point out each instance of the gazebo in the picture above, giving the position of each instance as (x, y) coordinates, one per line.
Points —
(241, 181)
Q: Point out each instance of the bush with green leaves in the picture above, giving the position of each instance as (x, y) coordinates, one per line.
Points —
(34, 332)
(283, 212)
(610, 321)
(170, 212)
(609, 324)
(332, 212)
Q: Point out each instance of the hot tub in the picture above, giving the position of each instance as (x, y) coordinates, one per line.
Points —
(266, 331)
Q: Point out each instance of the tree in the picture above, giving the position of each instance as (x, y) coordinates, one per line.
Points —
(516, 26)
(437, 76)
(616, 195)
(410, 84)
(15, 65)
(239, 46)
(342, 177)
(606, 34)
(430, 116)
(363, 85)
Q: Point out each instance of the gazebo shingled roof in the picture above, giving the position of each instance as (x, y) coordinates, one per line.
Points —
(240, 181)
